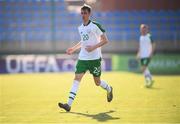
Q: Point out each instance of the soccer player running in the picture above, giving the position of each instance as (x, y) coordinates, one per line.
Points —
(93, 37)
(145, 53)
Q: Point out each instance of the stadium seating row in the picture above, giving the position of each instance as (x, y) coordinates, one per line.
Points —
(38, 18)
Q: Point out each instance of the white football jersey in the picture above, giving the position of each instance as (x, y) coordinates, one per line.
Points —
(90, 35)
(145, 46)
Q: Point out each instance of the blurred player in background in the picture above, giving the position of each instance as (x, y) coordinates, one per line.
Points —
(93, 37)
(145, 53)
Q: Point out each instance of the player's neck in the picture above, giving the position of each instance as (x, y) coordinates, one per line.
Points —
(86, 22)
(144, 34)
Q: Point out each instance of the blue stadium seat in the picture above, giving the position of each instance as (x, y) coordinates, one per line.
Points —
(37, 19)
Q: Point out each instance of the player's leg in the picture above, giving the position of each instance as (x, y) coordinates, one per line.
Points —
(102, 83)
(105, 86)
(72, 93)
(146, 71)
(74, 88)
(80, 71)
(95, 70)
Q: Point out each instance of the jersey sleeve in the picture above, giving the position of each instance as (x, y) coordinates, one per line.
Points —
(150, 37)
(99, 30)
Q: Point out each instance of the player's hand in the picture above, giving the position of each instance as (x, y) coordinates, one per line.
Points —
(137, 57)
(89, 48)
(70, 51)
(151, 54)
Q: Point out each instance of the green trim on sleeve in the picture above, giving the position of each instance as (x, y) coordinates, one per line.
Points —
(99, 26)
(150, 37)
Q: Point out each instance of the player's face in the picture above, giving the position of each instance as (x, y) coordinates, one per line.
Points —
(144, 30)
(85, 15)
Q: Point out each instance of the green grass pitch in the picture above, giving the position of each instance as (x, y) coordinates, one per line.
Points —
(33, 98)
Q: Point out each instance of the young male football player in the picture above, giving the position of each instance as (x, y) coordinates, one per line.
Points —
(93, 37)
(145, 53)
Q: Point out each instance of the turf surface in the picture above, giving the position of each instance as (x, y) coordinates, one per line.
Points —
(33, 98)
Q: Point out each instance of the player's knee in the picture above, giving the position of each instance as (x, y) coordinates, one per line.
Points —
(97, 82)
(143, 68)
(78, 78)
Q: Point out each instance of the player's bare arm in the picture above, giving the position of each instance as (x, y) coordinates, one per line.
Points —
(103, 41)
(137, 55)
(153, 49)
(71, 50)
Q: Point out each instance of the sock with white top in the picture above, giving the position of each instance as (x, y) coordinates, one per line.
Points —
(147, 74)
(73, 92)
(105, 86)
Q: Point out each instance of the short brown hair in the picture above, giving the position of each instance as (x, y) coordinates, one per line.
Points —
(86, 7)
(144, 26)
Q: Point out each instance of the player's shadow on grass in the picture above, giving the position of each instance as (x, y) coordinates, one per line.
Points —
(102, 117)
(154, 88)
